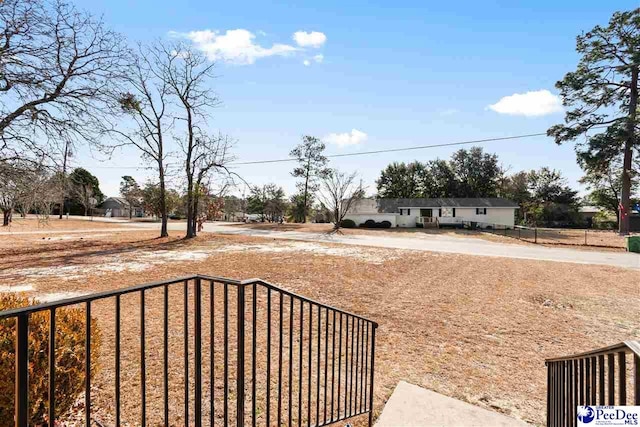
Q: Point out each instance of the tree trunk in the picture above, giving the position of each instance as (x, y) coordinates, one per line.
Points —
(64, 176)
(163, 203)
(625, 197)
(6, 217)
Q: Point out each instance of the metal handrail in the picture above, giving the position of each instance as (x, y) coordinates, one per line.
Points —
(631, 346)
(361, 350)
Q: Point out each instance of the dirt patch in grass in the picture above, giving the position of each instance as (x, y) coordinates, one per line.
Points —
(470, 327)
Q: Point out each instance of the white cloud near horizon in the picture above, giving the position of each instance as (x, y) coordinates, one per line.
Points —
(309, 39)
(355, 137)
(529, 104)
(234, 46)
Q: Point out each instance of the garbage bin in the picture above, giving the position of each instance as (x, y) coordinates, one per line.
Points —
(633, 244)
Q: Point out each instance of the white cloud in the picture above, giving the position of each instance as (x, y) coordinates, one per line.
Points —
(530, 104)
(354, 137)
(311, 39)
(306, 62)
(234, 46)
(318, 58)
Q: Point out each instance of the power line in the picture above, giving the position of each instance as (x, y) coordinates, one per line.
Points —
(393, 150)
(364, 153)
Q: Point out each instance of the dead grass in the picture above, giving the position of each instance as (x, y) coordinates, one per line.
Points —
(470, 327)
(33, 224)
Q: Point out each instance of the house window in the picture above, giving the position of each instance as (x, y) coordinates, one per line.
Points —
(408, 211)
(481, 211)
(400, 211)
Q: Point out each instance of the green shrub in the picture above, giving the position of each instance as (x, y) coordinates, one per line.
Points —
(70, 346)
(384, 224)
(369, 224)
(347, 223)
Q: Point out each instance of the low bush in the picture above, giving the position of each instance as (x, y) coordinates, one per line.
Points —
(384, 224)
(347, 223)
(70, 346)
(369, 224)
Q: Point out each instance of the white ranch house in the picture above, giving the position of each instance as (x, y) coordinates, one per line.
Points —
(452, 212)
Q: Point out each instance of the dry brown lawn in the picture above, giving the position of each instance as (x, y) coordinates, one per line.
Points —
(33, 224)
(470, 327)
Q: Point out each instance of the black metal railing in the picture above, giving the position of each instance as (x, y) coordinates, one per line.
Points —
(245, 352)
(598, 377)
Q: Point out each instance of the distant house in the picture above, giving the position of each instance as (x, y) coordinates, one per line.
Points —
(483, 212)
(119, 207)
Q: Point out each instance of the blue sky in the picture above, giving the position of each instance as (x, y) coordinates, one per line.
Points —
(417, 73)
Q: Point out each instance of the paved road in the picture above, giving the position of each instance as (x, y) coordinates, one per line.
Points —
(435, 243)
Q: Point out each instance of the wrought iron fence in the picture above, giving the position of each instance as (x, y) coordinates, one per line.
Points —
(252, 354)
(598, 377)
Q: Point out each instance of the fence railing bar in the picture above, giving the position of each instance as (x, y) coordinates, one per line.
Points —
(357, 374)
(268, 411)
(582, 381)
(319, 324)
(587, 368)
(601, 380)
(165, 353)
(52, 366)
(226, 354)
(280, 347)
(143, 365)
(254, 311)
(594, 374)
(241, 355)
(300, 364)
(636, 379)
(353, 333)
(197, 350)
(326, 362)
(290, 376)
(117, 361)
(186, 350)
(346, 365)
(87, 365)
(622, 381)
(371, 372)
(333, 362)
(339, 367)
(366, 368)
(212, 353)
(611, 379)
(309, 367)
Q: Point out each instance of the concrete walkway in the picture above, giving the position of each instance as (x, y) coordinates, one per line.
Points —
(413, 406)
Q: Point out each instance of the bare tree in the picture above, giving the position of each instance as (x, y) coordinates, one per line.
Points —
(13, 186)
(58, 69)
(338, 192)
(147, 103)
(186, 73)
(209, 158)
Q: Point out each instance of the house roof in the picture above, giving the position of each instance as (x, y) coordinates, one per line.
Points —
(120, 200)
(392, 205)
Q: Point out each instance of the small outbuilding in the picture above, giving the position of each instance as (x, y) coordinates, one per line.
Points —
(120, 207)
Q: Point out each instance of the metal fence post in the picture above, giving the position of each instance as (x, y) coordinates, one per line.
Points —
(240, 367)
(22, 370)
(535, 234)
(197, 336)
(585, 237)
(373, 358)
